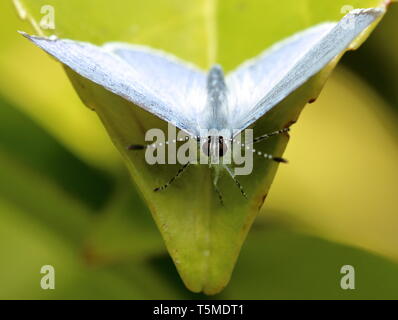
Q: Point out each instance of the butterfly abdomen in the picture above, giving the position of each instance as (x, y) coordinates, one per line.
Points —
(217, 99)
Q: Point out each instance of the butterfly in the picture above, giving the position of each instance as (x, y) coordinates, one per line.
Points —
(192, 100)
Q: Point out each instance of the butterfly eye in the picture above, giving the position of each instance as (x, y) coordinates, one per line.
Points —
(206, 146)
(212, 146)
(222, 147)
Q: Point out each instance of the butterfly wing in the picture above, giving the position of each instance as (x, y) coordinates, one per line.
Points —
(260, 84)
(158, 83)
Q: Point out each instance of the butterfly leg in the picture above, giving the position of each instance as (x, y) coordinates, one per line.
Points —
(179, 173)
(219, 194)
(137, 147)
(217, 189)
(236, 181)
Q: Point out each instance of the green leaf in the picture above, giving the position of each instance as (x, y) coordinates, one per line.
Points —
(203, 238)
(32, 183)
(124, 230)
(45, 221)
(35, 149)
(26, 244)
(278, 263)
(295, 266)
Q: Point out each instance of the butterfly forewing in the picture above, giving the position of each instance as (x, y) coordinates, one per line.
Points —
(255, 78)
(171, 79)
(155, 82)
(259, 85)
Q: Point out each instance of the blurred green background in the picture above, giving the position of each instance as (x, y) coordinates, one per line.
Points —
(67, 200)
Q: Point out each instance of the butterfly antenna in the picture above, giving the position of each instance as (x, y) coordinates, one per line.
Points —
(267, 156)
(271, 134)
(275, 159)
(236, 181)
(261, 138)
(155, 145)
(179, 173)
